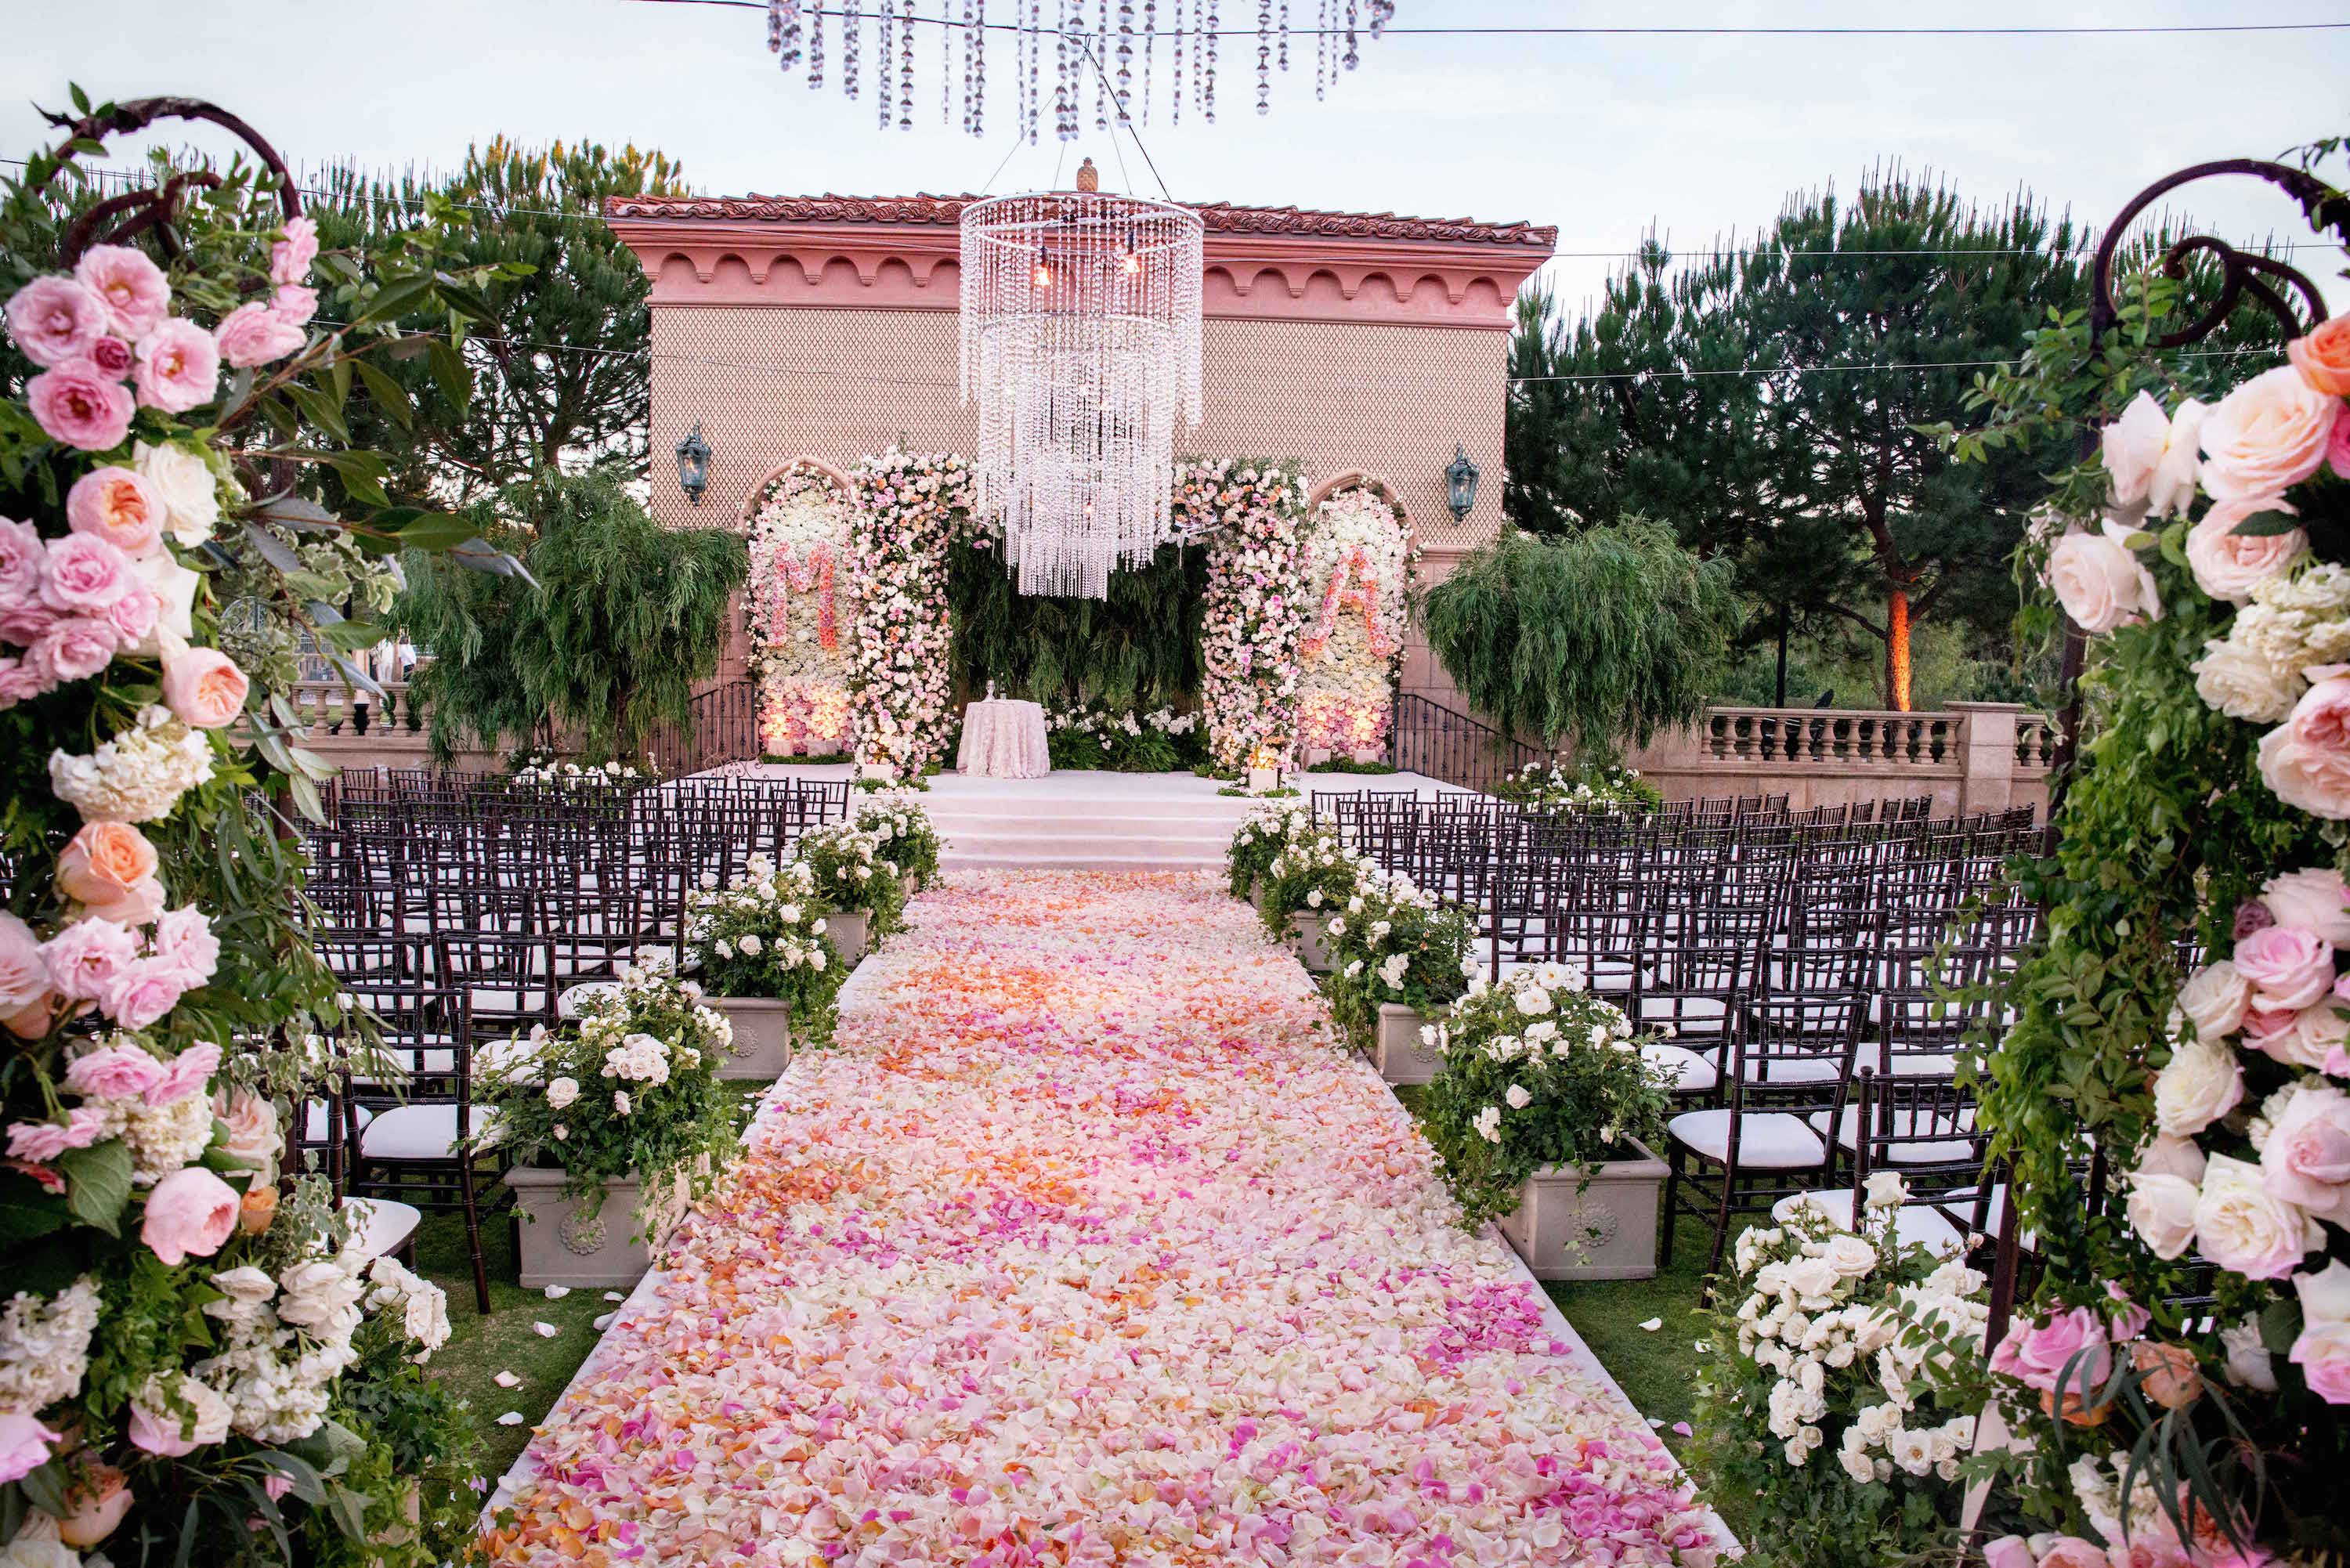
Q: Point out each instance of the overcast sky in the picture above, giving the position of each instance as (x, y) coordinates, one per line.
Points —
(1603, 136)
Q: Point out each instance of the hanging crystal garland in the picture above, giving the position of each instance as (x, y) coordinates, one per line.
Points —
(1087, 46)
(1081, 346)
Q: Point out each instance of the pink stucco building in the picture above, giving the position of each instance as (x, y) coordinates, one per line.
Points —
(825, 327)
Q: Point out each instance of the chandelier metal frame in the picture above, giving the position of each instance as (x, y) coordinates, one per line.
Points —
(1080, 345)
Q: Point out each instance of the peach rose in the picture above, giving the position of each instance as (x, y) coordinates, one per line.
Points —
(203, 688)
(188, 1214)
(258, 1210)
(2171, 1379)
(2099, 583)
(110, 865)
(2266, 436)
(2227, 564)
(2324, 357)
(99, 1497)
(118, 505)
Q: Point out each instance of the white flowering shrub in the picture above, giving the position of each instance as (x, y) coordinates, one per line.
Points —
(1269, 828)
(1091, 737)
(1391, 941)
(905, 836)
(762, 935)
(1594, 786)
(1313, 873)
(631, 1088)
(854, 870)
(544, 770)
(1840, 1391)
(1538, 1071)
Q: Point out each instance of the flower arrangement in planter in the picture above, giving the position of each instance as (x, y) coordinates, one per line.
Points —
(544, 770)
(903, 832)
(192, 1366)
(1270, 827)
(1542, 1093)
(624, 1104)
(1841, 1394)
(855, 876)
(1304, 886)
(1092, 737)
(1400, 958)
(765, 963)
(1594, 786)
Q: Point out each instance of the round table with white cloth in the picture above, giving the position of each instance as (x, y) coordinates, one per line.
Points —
(1002, 739)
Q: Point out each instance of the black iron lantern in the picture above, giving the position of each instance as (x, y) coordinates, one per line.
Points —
(694, 464)
(1459, 482)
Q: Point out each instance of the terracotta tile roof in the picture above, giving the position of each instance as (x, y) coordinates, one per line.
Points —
(1219, 217)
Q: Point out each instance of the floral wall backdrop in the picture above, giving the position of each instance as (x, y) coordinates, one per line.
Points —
(1256, 604)
(1358, 555)
(911, 509)
(802, 611)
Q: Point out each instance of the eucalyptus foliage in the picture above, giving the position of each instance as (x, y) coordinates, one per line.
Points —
(1594, 640)
(1139, 648)
(624, 617)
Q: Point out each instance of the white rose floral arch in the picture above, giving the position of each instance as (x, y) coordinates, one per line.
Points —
(800, 606)
(1357, 553)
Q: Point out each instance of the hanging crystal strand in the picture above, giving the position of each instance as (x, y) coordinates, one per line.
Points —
(850, 13)
(906, 68)
(1149, 47)
(1382, 13)
(816, 47)
(1213, 27)
(1322, 52)
(1263, 56)
(1283, 59)
(1176, 107)
(1354, 57)
(885, 26)
(1036, 54)
(1199, 66)
(775, 26)
(1101, 76)
(1062, 127)
(1125, 59)
(946, 62)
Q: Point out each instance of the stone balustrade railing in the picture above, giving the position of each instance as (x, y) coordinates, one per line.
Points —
(1971, 756)
(327, 708)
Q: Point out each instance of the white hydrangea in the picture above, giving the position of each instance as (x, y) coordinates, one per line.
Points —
(137, 776)
(44, 1346)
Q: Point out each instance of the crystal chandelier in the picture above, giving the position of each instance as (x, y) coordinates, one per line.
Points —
(1081, 346)
(1093, 54)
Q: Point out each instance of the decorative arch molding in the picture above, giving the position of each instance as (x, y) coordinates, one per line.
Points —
(1363, 478)
(758, 490)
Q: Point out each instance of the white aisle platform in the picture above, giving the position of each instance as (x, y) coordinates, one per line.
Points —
(1095, 821)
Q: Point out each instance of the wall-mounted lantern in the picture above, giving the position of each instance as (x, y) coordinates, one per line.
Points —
(694, 464)
(1459, 482)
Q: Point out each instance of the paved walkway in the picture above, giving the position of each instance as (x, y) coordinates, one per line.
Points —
(1085, 1245)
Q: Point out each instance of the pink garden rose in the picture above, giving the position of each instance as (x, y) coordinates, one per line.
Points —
(55, 318)
(290, 258)
(2072, 1552)
(2227, 564)
(2288, 968)
(26, 997)
(189, 1213)
(2324, 357)
(86, 958)
(133, 289)
(42, 1142)
(2100, 584)
(84, 574)
(24, 1446)
(74, 648)
(133, 617)
(2307, 1160)
(254, 334)
(78, 406)
(112, 357)
(2314, 898)
(143, 994)
(2038, 1354)
(184, 937)
(2323, 1350)
(206, 689)
(2131, 448)
(114, 1073)
(2008, 1552)
(2306, 760)
(179, 367)
(295, 305)
(22, 553)
(2337, 450)
(189, 1073)
(2266, 436)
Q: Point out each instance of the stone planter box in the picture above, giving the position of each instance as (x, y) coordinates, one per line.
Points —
(763, 1036)
(848, 929)
(1607, 1232)
(1399, 1055)
(559, 1248)
(1312, 940)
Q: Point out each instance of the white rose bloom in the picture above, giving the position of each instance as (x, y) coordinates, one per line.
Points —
(2132, 448)
(751, 944)
(2100, 584)
(2162, 1211)
(1518, 1097)
(2202, 1084)
(561, 1093)
(183, 482)
(2214, 1000)
(1850, 1256)
(2240, 1226)
(2171, 490)
(2249, 1364)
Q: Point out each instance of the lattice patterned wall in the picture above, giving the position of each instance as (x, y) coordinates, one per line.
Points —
(771, 383)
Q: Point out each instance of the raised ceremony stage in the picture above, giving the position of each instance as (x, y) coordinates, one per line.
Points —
(1097, 821)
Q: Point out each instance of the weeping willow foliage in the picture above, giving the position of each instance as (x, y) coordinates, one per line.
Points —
(625, 618)
(1139, 648)
(1597, 639)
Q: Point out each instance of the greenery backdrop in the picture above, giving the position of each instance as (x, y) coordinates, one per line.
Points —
(1138, 649)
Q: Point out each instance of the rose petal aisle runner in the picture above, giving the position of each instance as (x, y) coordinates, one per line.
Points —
(1086, 1245)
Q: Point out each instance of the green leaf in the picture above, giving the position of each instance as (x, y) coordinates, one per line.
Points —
(2280, 1324)
(26, 1212)
(395, 299)
(97, 1183)
(319, 409)
(436, 530)
(2266, 526)
(388, 395)
(455, 377)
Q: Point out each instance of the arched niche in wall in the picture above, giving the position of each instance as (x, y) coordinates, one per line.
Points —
(757, 492)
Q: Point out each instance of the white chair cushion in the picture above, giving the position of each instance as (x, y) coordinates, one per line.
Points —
(421, 1132)
(1697, 1073)
(1905, 1124)
(1789, 1071)
(379, 1226)
(567, 1005)
(1915, 1224)
(1691, 1009)
(316, 1114)
(1767, 1141)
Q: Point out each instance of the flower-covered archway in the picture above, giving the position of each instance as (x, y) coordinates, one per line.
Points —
(1301, 627)
(801, 605)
